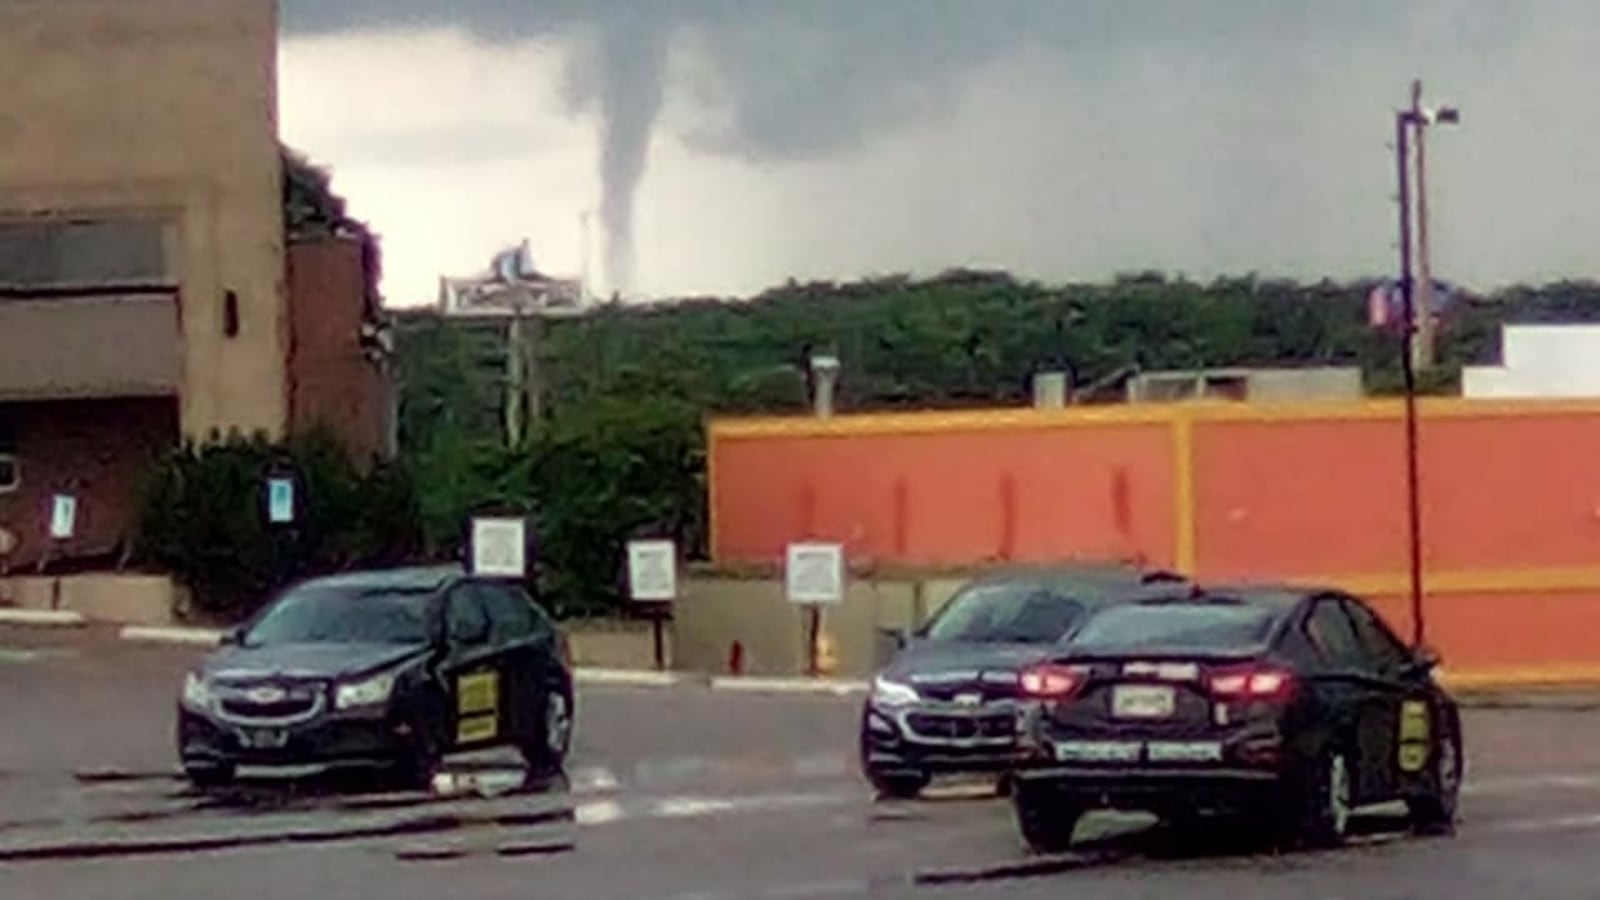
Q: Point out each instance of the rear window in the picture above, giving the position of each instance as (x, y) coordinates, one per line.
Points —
(1188, 627)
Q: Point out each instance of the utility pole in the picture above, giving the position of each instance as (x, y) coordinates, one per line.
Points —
(583, 252)
(516, 378)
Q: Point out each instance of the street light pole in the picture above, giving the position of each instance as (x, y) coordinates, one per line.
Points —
(1402, 133)
(1416, 117)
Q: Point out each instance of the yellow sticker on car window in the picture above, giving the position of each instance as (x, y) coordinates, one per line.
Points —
(478, 693)
(472, 729)
(1414, 721)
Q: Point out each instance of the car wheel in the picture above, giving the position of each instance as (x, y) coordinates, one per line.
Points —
(1435, 813)
(546, 754)
(898, 786)
(1046, 819)
(1327, 798)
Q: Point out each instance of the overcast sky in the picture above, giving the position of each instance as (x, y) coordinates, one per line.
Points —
(743, 142)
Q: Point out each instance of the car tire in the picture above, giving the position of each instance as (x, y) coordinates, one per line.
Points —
(1046, 820)
(898, 786)
(1326, 798)
(546, 752)
(1434, 813)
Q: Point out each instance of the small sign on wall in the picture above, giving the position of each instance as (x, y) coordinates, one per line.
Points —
(653, 571)
(280, 500)
(63, 517)
(814, 573)
(500, 547)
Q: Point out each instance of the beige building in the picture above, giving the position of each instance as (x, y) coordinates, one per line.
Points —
(141, 224)
(148, 289)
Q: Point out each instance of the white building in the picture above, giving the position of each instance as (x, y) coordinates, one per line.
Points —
(1540, 361)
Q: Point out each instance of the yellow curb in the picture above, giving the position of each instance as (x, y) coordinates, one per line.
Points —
(1522, 678)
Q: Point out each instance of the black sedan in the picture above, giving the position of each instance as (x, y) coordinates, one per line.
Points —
(390, 670)
(1287, 707)
(947, 703)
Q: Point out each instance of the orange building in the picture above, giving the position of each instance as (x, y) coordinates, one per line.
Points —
(1312, 493)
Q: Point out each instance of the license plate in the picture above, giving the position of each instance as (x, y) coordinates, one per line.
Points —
(263, 738)
(1184, 751)
(1097, 751)
(1141, 701)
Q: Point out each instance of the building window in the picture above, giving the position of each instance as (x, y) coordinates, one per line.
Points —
(10, 473)
(62, 255)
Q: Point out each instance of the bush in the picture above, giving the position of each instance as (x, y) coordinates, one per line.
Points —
(589, 480)
(204, 519)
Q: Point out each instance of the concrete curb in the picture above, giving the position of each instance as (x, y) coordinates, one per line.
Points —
(43, 618)
(197, 637)
(628, 677)
(789, 685)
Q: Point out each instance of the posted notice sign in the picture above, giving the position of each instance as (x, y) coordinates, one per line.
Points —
(653, 571)
(280, 501)
(63, 517)
(814, 573)
(500, 547)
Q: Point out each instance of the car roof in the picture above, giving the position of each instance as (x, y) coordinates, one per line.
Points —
(419, 579)
(1279, 596)
(1101, 576)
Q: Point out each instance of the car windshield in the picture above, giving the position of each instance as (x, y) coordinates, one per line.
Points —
(313, 615)
(1005, 613)
(1190, 627)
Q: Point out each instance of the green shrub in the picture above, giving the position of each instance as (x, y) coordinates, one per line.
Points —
(204, 519)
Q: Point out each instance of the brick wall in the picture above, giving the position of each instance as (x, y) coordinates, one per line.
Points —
(96, 450)
(331, 381)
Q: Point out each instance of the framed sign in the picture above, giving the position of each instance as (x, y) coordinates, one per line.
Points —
(280, 501)
(653, 571)
(814, 573)
(63, 517)
(500, 547)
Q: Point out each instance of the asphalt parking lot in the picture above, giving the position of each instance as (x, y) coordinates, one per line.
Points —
(679, 793)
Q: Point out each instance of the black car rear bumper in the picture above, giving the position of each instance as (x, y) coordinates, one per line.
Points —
(1198, 789)
(952, 743)
(330, 742)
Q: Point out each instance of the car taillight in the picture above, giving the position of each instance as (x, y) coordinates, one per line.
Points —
(1050, 681)
(566, 650)
(1255, 683)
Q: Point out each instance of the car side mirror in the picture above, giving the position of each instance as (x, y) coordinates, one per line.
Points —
(231, 637)
(1424, 660)
(899, 637)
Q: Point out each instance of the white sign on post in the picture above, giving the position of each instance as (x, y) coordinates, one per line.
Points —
(653, 571)
(814, 573)
(280, 501)
(500, 547)
(63, 517)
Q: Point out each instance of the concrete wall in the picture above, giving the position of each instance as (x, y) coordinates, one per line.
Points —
(123, 599)
(164, 107)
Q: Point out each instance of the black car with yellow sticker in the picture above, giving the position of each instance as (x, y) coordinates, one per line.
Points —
(384, 670)
(1286, 708)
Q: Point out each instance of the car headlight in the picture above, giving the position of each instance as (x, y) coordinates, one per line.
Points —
(886, 692)
(370, 692)
(196, 693)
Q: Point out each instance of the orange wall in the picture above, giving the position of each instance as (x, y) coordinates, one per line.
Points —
(972, 489)
(1511, 502)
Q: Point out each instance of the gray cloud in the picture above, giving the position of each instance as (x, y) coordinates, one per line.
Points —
(1281, 98)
